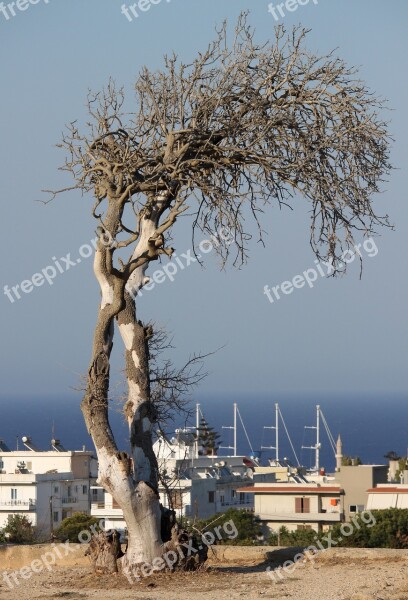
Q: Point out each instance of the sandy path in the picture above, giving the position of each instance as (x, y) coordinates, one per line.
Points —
(334, 575)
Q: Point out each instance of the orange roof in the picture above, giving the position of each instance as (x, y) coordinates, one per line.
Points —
(390, 490)
(291, 488)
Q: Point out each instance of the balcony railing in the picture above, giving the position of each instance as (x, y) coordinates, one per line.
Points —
(69, 500)
(18, 503)
(237, 502)
(301, 517)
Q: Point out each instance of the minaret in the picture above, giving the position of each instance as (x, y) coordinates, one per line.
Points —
(339, 453)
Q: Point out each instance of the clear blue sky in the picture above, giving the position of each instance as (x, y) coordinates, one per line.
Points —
(344, 335)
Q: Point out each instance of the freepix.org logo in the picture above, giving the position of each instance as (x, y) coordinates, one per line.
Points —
(323, 269)
(9, 10)
(134, 11)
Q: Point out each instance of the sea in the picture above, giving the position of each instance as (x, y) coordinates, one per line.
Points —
(370, 425)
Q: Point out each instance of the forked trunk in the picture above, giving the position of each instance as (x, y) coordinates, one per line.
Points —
(132, 481)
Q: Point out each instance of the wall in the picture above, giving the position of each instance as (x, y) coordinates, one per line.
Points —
(355, 482)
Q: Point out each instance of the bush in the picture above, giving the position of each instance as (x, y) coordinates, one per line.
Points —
(390, 530)
(71, 527)
(249, 531)
(19, 530)
(284, 537)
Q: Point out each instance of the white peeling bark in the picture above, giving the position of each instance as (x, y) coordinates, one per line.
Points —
(143, 520)
(147, 229)
(141, 510)
(138, 409)
(107, 289)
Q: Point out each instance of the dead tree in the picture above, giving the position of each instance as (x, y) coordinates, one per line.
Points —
(241, 127)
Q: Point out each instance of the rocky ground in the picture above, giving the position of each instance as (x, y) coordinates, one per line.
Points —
(341, 574)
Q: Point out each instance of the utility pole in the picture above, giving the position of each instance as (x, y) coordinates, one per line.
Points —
(51, 520)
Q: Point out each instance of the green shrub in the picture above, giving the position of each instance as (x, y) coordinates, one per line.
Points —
(390, 530)
(71, 527)
(284, 537)
(249, 530)
(19, 530)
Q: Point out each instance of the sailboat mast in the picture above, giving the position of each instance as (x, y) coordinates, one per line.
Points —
(317, 436)
(235, 428)
(277, 431)
(197, 428)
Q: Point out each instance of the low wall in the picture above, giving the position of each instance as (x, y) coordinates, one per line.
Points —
(15, 557)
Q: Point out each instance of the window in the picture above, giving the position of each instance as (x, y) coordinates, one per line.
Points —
(355, 508)
(222, 499)
(303, 527)
(1, 464)
(94, 493)
(211, 497)
(69, 491)
(242, 497)
(84, 489)
(56, 489)
(176, 497)
(302, 505)
(14, 493)
(56, 516)
(233, 493)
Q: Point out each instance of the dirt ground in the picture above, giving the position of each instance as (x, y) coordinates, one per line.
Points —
(340, 574)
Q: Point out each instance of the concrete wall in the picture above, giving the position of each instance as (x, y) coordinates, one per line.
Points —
(355, 482)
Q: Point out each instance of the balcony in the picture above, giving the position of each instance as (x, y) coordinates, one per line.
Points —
(69, 500)
(13, 505)
(321, 517)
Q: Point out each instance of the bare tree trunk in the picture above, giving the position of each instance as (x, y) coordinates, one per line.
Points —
(144, 517)
(132, 480)
(104, 551)
(134, 489)
(144, 527)
(139, 410)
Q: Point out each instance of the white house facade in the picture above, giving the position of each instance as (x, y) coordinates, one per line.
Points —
(46, 487)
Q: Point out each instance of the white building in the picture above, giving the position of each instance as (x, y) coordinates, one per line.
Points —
(297, 505)
(388, 496)
(45, 486)
(199, 486)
